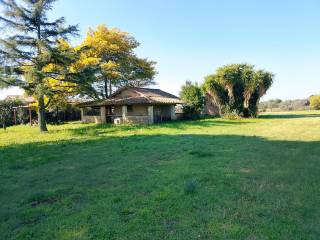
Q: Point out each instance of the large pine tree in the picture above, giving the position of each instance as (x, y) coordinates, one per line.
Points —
(31, 42)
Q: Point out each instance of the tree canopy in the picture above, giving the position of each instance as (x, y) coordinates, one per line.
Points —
(238, 88)
(34, 57)
(192, 95)
(112, 52)
(315, 102)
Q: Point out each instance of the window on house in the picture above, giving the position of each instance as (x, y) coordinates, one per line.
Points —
(130, 108)
(92, 111)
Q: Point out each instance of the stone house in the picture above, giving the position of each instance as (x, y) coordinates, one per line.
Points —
(131, 105)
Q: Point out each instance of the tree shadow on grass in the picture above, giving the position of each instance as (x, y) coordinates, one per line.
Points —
(108, 188)
(293, 115)
(100, 129)
(210, 122)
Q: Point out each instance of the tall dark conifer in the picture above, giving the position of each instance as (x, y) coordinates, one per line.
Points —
(30, 42)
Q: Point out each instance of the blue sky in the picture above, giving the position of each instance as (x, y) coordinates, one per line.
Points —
(190, 39)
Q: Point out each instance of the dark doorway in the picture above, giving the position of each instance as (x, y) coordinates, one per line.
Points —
(161, 113)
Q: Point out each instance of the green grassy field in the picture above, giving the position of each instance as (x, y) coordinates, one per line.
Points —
(209, 179)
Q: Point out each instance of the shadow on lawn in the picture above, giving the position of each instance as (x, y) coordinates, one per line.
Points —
(95, 130)
(209, 122)
(126, 183)
(157, 143)
(276, 116)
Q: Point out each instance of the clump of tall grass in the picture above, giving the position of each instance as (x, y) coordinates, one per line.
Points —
(190, 186)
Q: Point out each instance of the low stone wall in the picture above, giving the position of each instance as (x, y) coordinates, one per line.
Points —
(137, 119)
(132, 120)
(91, 119)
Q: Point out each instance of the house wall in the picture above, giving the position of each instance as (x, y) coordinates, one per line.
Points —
(173, 112)
(117, 111)
(91, 119)
(140, 114)
(103, 114)
(138, 110)
(135, 114)
(136, 120)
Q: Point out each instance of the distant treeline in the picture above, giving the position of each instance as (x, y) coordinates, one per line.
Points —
(286, 105)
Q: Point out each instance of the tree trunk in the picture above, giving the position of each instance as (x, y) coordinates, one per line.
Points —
(57, 113)
(110, 88)
(230, 94)
(14, 116)
(246, 112)
(4, 125)
(42, 114)
(30, 116)
(106, 88)
(216, 101)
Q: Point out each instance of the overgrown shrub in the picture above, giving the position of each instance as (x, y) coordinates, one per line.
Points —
(237, 88)
(231, 115)
(192, 96)
(315, 102)
(6, 112)
(190, 113)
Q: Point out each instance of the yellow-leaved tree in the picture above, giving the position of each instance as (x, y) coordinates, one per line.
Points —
(63, 81)
(111, 51)
(315, 102)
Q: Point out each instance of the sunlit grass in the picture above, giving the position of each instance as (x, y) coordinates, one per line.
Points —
(207, 179)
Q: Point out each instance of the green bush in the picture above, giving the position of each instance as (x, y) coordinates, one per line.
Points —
(315, 102)
(6, 112)
(192, 96)
(237, 88)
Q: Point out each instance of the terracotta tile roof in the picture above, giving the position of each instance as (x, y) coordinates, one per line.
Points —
(141, 96)
(28, 99)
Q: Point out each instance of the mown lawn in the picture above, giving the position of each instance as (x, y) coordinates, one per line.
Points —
(209, 179)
